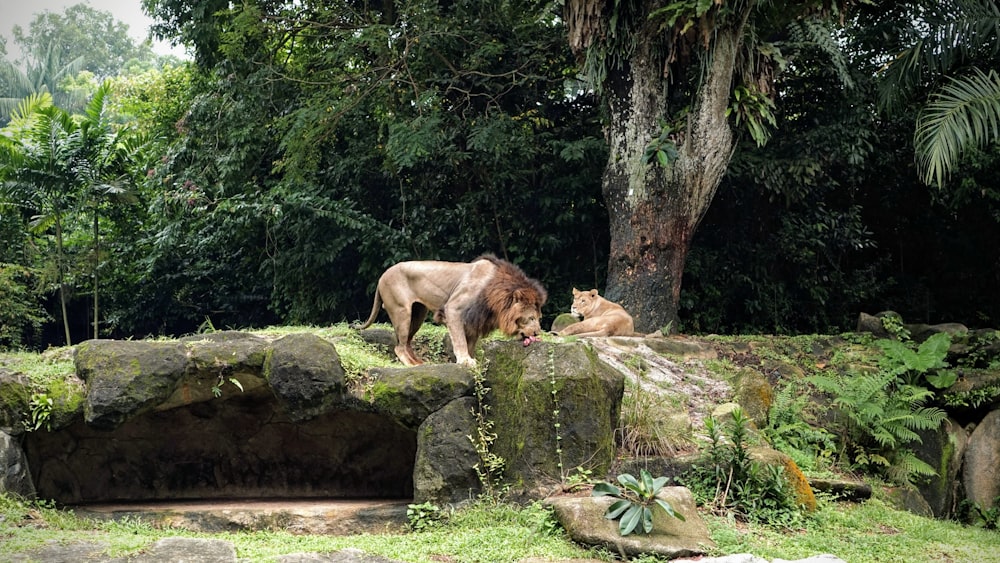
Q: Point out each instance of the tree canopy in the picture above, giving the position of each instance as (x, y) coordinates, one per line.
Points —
(311, 144)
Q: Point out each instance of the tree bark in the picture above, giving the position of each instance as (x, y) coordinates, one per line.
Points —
(654, 211)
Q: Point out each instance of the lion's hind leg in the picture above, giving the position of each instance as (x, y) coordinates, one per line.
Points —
(586, 327)
(406, 321)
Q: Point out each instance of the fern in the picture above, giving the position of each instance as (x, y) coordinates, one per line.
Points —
(881, 416)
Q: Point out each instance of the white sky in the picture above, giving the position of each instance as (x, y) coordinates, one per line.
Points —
(129, 12)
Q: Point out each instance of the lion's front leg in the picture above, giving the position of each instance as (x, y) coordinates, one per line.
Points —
(462, 343)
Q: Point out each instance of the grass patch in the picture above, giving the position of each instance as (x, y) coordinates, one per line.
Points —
(870, 532)
(487, 533)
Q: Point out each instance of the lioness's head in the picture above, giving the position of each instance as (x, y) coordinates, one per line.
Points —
(583, 302)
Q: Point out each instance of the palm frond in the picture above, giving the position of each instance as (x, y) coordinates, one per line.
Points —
(956, 31)
(962, 114)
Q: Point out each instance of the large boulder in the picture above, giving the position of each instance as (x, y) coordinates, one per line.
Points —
(410, 395)
(555, 407)
(942, 449)
(754, 394)
(15, 396)
(443, 472)
(127, 378)
(14, 475)
(305, 374)
(981, 474)
(584, 521)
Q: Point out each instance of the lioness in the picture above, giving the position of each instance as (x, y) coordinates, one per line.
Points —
(471, 299)
(600, 316)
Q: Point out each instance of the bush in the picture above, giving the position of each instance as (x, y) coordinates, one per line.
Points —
(21, 312)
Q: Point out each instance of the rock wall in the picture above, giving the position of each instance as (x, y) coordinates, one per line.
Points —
(234, 415)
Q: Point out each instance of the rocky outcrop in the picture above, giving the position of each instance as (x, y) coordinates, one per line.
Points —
(444, 470)
(555, 407)
(943, 449)
(14, 475)
(236, 415)
(584, 521)
(981, 475)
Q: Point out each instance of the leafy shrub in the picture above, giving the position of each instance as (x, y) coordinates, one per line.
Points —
(21, 312)
(789, 429)
(728, 481)
(927, 361)
(423, 516)
(635, 501)
(880, 415)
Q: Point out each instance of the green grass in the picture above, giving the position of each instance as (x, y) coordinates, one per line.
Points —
(869, 532)
(487, 533)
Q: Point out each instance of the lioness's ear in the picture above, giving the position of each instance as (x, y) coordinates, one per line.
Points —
(593, 293)
(576, 292)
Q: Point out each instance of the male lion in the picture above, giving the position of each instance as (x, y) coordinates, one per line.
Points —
(471, 299)
(600, 316)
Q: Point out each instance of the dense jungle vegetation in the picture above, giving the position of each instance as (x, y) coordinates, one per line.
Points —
(306, 146)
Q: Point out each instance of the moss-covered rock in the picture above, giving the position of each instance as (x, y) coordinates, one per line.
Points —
(125, 378)
(942, 449)
(555, 407)
(804, 496)
(754, 394)
(305, 373)
(562, 321)
(443, 472)
(15, 394)
(410, 395)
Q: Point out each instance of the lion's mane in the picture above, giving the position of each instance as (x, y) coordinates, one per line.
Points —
(495, 307)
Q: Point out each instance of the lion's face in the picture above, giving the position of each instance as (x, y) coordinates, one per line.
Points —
(526, 321)
(583, 302)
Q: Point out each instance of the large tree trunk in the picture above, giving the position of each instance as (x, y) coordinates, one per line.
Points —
(653, 210)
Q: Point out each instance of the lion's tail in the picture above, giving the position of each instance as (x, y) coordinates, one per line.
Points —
(371, 318)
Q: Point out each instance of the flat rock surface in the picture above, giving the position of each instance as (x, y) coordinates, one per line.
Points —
(305, 516)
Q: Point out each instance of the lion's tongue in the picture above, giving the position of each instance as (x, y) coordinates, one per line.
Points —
(529, 339)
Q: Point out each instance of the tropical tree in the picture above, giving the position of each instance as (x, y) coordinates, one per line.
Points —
(394, 130)
(42, 74)
(674, 79)
(95, 35)
(945, 54)
(37, 166)
(104, 167)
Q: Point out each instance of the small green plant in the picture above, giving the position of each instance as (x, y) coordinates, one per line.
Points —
(974, 513)
(578, 479)
(217, 388)
(490, 467)
(729, 482)
(636, 499)
(927, 361)
(789, 429)
(41, 406)
(423, 516)
(893, 324)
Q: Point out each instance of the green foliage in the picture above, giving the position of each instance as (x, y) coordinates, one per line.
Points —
(423, 516)
(927, 361)
(636, 501)
(490, 466)
(41, 406)
(755, 110)
(791, 429)
(893, 324)
(21, 313)
(984, 517)
(880, 414)
(728, 481)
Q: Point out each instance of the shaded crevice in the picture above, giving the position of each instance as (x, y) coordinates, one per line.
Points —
(243, 447)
